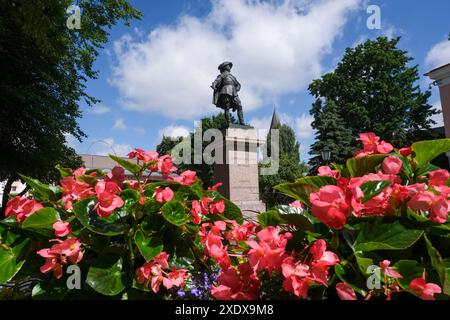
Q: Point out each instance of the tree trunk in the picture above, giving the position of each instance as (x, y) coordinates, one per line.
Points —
(5, 199)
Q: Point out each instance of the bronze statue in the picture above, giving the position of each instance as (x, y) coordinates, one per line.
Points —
(226, 89)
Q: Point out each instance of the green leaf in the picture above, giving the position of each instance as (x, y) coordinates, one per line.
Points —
(438, 264)
(149, 247)
(64, 172)
(359, 167)
(345, 274)
(296, 217)
(40, 190)
(41, 221)
(134, 168)
(385, 236)
(48, 291)
(373, 188)
(105, 275)
(269, 218)
(111, 226)
(363, 263)
(425, 169)
(173, 211)
(303, 187)
(425, 151)
(12, 260)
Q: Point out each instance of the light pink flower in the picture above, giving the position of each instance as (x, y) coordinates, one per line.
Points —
(163, 195)
(329, 205)
(392, 165)
(345, 291)
(62, 228)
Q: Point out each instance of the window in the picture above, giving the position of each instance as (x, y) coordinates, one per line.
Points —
(13, 188)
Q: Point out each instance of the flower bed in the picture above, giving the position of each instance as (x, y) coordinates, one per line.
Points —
(373, 228)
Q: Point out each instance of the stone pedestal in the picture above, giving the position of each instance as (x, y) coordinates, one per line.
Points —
(238, 170)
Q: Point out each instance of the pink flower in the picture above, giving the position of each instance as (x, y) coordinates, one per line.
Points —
(424, 290)
(211, 236)
(240, 232)
(217, 207)
(143, 156)
(60, 254)
(327, 172)
(439, 210)
(186, 178)
(389, 271)
(373, 145)
(392, 165)
(236, 285)
(329, 205)
(296, 204)
(74, 190)
(405, 151)
(384, 147)
(322, 261)
(163, 195)
(62, 228)
(345, 291)
(165, 166)
(152, 272)
(216, 186)
(108, 201)
(439, 177)
(22, 207)
(116, 175)
(297, 277)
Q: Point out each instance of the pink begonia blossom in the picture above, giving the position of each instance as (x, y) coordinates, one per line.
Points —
(424, 290)
(62, 253)
(389, 271)
(327, 172)
(345, 291)
(392, 165)
(330, 206)
(163, 195)
(62, 228)
(108, 200)
(74, 190)
(373, 145)
(22, 207)
(242, 284)
(296, 204)
(405, 151)
(116, 175)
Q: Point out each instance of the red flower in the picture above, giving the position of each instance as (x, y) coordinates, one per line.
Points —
(74, 190)
(163, 195)
(345, 291)
(22, 207)
(329, 205)
(327, 172)
(108, 200)
(60, 254)
(143, 156)
(322, 261)
(392, 165)
(439, 177)
(116, 175)
(217, 207)
(236, 285)
(62, 228)
(405, 151)
(297, 278)
(424, 290)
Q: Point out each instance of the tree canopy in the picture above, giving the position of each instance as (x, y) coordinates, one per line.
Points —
(45, 66)
(374, 89)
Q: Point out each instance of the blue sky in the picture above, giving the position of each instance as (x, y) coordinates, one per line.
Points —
(155, 75)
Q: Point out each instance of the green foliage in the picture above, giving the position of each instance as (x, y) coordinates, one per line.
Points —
(426, 151)
(106, 275)
(372, 89)
(45, 66)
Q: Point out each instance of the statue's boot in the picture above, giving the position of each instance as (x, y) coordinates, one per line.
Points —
(227, 116)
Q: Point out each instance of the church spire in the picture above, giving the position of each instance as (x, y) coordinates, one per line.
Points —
(276, 123)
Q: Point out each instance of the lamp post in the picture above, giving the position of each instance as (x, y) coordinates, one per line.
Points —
(326, 154)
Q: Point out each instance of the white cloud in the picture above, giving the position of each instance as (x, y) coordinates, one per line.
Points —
(100, 109)
(275, 50)
(173, 132)
(439, 55)
(303, 126)
(120, 125)
(98, 146)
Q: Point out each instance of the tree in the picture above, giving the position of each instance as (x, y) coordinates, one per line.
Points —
(290, 167)
(374, 90)
(45, 66)
(331, 131)
(204, 171)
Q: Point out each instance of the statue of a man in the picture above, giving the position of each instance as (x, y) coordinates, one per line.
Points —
(226, 89)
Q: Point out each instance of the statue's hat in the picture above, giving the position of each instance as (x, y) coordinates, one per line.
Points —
(224, 64)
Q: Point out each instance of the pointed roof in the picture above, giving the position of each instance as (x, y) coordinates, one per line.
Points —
(275, 120)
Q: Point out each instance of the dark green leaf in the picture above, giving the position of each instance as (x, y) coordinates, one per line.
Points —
(409, 269)
(42, 220)
(12, 260)
(385, 236)
(359, 167)
(269, 218)
(373, 188)
(438, 265)
(174, 212)
(40, 190)
(84, 211)
(149, 246)
(105, 275)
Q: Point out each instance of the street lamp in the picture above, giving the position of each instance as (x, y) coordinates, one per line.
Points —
(326, 154)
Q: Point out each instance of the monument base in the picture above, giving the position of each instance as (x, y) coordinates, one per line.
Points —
(238, 170)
